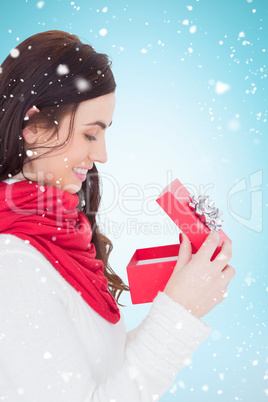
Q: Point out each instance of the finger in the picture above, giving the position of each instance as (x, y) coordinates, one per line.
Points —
(185, 253)
(229, 271)
(209, 246)
(226, 276)
(224, 255)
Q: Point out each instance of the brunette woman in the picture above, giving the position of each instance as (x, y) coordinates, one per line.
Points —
(62, 336)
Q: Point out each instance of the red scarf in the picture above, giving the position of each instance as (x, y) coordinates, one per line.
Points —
(48, 218)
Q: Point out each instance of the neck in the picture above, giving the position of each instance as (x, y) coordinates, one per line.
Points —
(19, 176)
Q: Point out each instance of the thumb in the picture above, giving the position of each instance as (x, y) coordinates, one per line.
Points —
(185, 253)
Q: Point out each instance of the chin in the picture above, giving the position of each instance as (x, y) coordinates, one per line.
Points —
(72, 188)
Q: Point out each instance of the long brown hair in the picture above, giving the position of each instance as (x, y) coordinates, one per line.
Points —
(54, 71)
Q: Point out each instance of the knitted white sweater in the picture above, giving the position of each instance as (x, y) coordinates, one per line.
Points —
(55, 348)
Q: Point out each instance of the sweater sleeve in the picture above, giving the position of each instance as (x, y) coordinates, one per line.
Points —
(43, 359)
(163, 344)
(156, 351)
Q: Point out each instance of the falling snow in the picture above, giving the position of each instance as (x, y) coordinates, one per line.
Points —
(66, 376)
(14, 53)
(29, 152)
(103, 32)
(221, 87)
(233, 63)
(40, 4)
(62, 69)
(193, 29)
(82, 85)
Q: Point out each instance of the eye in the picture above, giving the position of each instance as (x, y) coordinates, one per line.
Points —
(90, 137)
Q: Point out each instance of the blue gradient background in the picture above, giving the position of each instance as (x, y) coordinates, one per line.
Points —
(170, 122)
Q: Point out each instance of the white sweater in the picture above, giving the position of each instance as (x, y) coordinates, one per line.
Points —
(55, 348)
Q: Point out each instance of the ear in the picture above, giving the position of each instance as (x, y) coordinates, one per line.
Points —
(30, 131)
(33, 110)
(29, 134)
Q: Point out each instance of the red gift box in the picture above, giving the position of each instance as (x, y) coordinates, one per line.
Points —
(150, 268)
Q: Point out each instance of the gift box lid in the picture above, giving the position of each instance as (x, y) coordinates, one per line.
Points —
(149, 270)
(174, 200)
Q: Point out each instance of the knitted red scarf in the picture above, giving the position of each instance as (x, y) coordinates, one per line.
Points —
(48, 218)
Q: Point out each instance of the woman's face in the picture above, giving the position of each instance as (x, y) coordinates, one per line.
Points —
(66, 168)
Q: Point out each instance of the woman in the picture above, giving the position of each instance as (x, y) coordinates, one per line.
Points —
(62, 336)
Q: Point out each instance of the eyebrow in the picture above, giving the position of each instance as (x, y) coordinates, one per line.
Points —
(98, 123)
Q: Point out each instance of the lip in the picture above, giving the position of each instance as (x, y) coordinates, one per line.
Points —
(81, 177)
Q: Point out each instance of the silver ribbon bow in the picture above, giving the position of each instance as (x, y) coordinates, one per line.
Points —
(205, 210)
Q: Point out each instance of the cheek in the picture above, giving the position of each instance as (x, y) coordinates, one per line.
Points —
(73, 157)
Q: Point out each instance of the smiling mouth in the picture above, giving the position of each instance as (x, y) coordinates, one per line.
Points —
(80, 171)
(80, 176)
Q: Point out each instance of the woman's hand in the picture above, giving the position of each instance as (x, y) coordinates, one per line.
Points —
(197, 283)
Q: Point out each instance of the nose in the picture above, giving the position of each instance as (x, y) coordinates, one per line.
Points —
(98, 152)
